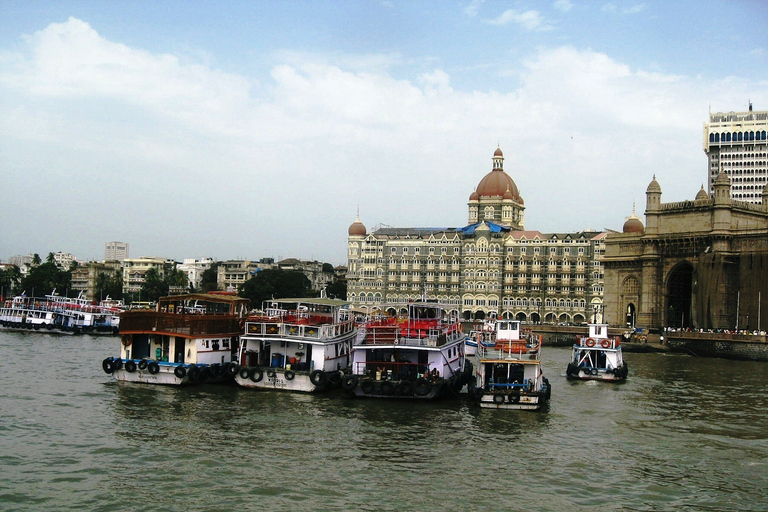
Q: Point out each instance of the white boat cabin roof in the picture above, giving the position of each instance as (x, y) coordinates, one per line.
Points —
(598, 331)
(507, 329)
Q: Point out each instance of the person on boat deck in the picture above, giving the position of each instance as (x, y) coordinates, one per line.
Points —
(585, 361)
(435, 375)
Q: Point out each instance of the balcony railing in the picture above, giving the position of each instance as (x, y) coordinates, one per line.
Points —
(191, 325)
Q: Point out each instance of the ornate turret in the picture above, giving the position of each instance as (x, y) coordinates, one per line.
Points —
(496, 198)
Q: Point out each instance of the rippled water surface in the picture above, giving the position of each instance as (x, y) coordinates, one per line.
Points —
(682, 433)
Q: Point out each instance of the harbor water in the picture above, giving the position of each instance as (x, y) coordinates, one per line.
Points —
(683, 433)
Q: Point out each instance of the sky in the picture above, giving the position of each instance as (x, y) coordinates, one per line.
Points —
(255, 129)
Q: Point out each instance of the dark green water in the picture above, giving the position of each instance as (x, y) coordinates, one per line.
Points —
(682, 433)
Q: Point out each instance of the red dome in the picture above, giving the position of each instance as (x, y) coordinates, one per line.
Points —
(473, 196)
(498, 152)
(357, 229)
(633, 225)
(496, 183)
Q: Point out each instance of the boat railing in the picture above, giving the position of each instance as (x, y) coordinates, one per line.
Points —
(612, 342)
(526, 384)
(279, 329)
(390, 370)
(146, 320)
(509, 351)
(434, 336)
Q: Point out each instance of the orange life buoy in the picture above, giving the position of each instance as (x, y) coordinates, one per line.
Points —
(590, 342)
(127, 339)
(606, 343)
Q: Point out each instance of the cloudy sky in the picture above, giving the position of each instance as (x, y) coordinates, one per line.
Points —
(255, 129)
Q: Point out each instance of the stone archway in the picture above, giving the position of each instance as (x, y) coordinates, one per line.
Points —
(631, 315)
(679, 296)
(520, 317)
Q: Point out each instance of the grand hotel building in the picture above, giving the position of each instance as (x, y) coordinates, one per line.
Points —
(492, 267)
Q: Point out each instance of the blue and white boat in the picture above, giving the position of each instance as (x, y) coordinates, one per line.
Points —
(508, 373)
(597, 356)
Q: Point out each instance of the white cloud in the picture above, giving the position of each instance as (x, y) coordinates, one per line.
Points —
(529, 20)
(473, 7)
(562, 5)
(634, 9)
(279, 168)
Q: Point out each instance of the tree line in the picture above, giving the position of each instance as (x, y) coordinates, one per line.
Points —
(276, 283)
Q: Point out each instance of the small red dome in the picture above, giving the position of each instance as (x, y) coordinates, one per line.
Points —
(498, 152)
(357, 229)
(473, 196)
(633, 225)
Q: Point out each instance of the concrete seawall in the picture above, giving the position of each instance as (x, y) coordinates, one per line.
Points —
(752, 347)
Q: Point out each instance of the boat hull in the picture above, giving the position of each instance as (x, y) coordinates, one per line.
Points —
(602, 374)
(287, 380)
(418, 389)
(167, 374)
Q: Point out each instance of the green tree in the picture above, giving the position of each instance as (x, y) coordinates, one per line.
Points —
(327, 268)
(337, 290)
(109, 285)
(51, 258)
(209, 279)
(176, 278)
(46, 277)
(275, 283)
(36, 259)
(9, 280)
(154, 286)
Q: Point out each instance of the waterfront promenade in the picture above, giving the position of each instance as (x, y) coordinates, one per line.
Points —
(738, 345)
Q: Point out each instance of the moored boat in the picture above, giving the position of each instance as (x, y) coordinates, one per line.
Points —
(478, 334)
(597, 356)
(187, 339)
(299, 344)
(419, 356)
(39, 314)
(508, 372)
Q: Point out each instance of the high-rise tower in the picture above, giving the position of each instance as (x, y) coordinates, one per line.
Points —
(735, 143)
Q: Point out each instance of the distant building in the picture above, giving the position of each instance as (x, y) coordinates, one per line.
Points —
(700, 264)
(232, 274)
(115, 251)
(85, 276)
(318, 278)
(135, 269)
(736, 144)
(64, 260)
(194, 269)
(492, 267)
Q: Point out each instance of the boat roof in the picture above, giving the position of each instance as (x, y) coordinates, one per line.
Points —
(321, 301)
(207, 297)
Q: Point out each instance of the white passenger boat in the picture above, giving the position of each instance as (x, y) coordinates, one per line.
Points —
(187, 339)
(39, 314)
(296, 345)
(508, 372)
(420, 356)
(597, 356)
(478, 334)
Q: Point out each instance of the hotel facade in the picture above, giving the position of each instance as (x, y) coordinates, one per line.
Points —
(492, 267)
